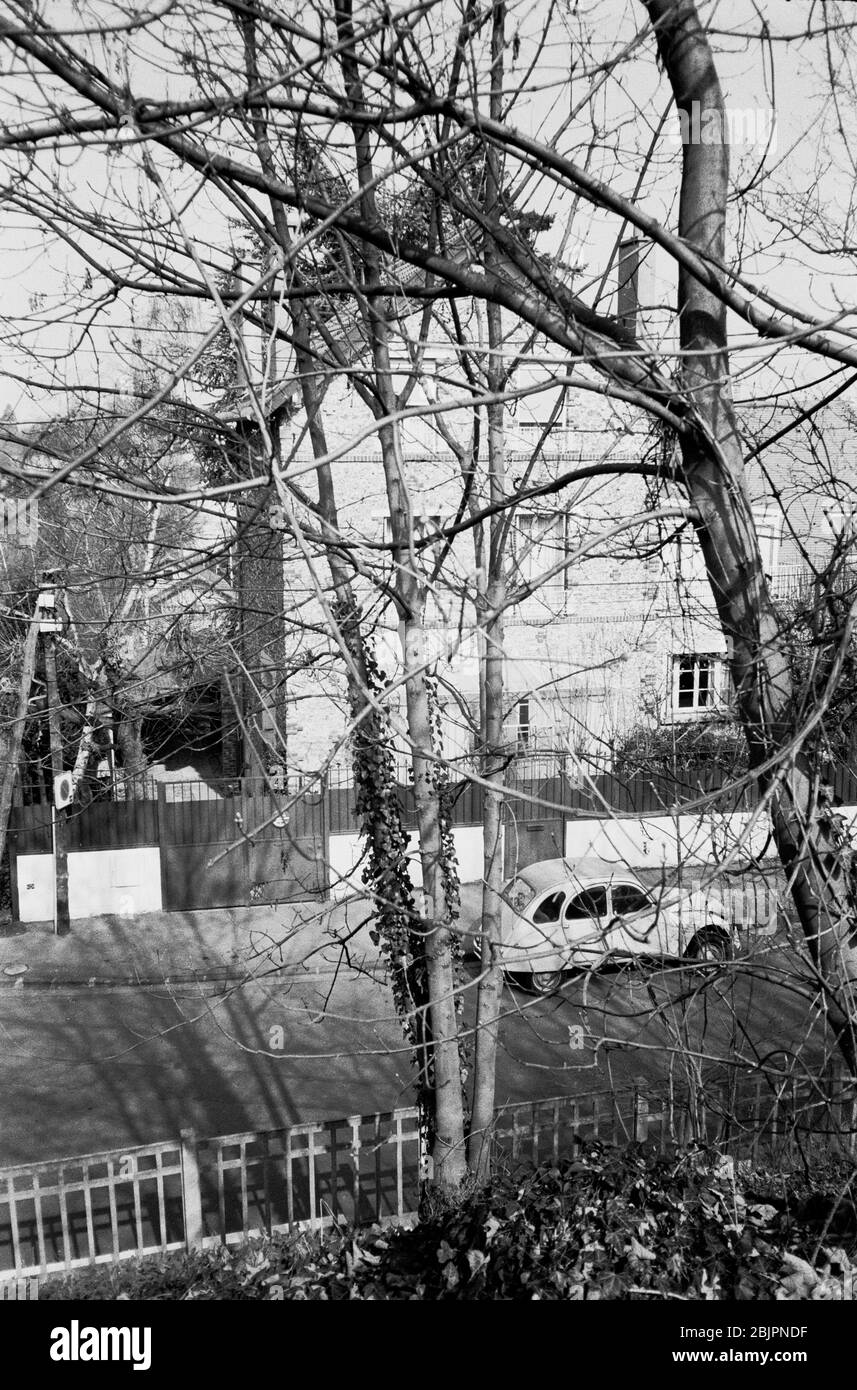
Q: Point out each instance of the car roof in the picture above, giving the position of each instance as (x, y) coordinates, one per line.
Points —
(551, 873)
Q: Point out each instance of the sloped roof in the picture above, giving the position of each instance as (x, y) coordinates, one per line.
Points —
(350, 342)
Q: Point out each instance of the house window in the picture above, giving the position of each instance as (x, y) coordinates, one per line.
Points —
(523, 725)
(839, 524)
(424, 524)
(543, 424)
(539, 545)
(696, 683)
(769, 529)
(542, 410)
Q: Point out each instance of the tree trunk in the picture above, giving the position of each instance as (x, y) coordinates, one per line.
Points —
(261, 625)
(804, 832)
(491, 979)
(130, 741)
(260, 585)
(447, 1139)
(490, 988)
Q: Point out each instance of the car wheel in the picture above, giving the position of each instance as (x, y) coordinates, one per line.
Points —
(546, 981)
(710, 946)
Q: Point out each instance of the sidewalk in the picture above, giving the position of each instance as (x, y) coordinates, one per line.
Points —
(217, 945)
(213, 945)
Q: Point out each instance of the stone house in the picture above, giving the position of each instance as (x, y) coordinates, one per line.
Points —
(619, 629)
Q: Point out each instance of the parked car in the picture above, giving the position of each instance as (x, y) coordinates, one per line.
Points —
(558, 915)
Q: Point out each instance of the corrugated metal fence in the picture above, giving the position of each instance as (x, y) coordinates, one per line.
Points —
(538, 786)
(230, 843)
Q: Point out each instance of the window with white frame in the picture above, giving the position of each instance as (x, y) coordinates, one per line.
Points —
(524, 727)
(838, 523)
(697, 681)
(524, 724)
(425, 524)
(542, 410)
(539, 543)
(687, 557)
(534, 426)
(518, 725)
(769, 529)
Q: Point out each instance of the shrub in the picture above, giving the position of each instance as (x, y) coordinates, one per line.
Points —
(682, 751)
(608, 1224)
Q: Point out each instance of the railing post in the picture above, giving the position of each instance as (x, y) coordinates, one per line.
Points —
(191, 1192)
(641, 1117)
(842, 1106)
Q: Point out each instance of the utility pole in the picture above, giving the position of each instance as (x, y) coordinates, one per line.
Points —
(12, 736)
(49, 625)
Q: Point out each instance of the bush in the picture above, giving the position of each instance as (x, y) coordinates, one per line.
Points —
(5, 889)
(682, 751)
(610, 1224)
(223, 1272)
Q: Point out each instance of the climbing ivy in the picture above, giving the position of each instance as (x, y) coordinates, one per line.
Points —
(387, 879)
(450, 879)
(399, 930)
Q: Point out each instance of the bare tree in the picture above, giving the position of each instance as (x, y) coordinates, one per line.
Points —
(256, 131)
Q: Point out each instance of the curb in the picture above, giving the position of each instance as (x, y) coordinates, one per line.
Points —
(222, 977)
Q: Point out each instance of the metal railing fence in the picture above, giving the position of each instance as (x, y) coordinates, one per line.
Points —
(193, 1193)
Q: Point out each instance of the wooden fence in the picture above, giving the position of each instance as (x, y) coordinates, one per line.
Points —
(193, 1193)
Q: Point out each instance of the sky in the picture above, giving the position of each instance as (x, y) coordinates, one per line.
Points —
(42, 277)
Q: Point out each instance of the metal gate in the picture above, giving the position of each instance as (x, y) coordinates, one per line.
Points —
(287, 849)
(535, 826)
(236, 845)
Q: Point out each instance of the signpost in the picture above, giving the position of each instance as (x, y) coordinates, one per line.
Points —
(63, 790)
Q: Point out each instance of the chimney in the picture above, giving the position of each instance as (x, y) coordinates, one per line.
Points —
(628, 283)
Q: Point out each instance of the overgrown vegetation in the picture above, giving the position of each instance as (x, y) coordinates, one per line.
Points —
(812, 624)
(385, 873)
(825, 678)
(681, 752)
(609, 1224)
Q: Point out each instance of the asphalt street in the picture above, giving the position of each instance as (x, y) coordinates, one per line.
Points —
(83, 1070)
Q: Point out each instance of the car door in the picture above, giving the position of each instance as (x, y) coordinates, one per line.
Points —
(546, 915)
(532, 931)
(634, 924)
(585, 920)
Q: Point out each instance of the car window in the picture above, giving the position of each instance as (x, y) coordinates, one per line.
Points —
(518, 893)
(592, 902)
(628, 898)
(549, 908)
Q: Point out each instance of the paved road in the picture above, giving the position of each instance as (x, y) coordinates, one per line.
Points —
(85, 1070)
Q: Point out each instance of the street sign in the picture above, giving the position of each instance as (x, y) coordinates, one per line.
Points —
(46, 607)
(63, 790)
